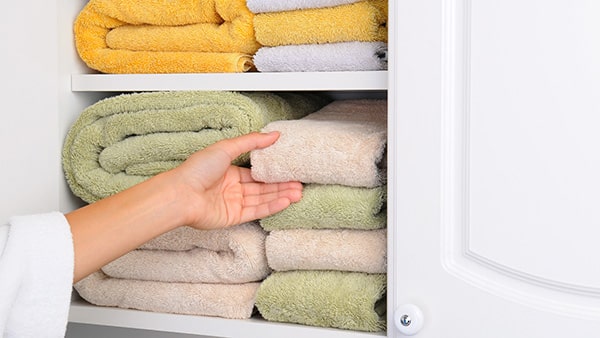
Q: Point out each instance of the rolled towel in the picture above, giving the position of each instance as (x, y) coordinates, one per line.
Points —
(123, 140)
(343, 143)
(234, 301)
(337, 299)
(331, 206)
(360, 21)
(177, 36)
(262, 6)
(341, 250)
(231, 255)
(327, 57)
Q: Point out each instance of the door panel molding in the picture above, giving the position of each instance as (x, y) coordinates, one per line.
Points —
(458, 256)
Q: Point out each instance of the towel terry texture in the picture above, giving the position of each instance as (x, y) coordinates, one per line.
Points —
(261, 6)
(342, 143)
(203, 299)
(231, 255)
(177, 36)
(347, 300)
(123, 140)
(331, 206)
(36, 275)
(327, 57)
(360, 21)
(341, 250)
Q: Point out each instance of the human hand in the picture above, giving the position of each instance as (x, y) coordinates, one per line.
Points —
(217, 194)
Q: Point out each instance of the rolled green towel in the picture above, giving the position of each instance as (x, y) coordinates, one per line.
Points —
(123, 140)
(337, 299)
(330, 206)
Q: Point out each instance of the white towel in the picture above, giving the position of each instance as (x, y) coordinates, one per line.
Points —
(36, 275)
(342, 143)
(263, 6)
(326, 57)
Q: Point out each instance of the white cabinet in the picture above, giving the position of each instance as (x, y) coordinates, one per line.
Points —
(496, 161)
(493, 200)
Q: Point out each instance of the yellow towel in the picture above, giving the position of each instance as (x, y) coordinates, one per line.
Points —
(361, 21)
(178, 36)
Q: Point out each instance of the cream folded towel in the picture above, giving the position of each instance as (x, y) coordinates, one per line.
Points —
(262, 6)
(218, 300)
(342, 143)
(326, 57)
(330, 206)
(342, 250)
(231, 255)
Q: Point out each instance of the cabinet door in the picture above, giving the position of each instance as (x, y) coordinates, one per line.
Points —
(496, 167)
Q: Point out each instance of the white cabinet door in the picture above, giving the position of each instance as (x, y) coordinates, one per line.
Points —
(496, 167)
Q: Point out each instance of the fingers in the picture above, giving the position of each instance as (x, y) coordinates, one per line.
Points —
(262, 200)
(236, 146)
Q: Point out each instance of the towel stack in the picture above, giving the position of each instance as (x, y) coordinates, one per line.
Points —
(186, 271)
(123, 140)
(328, 251)
(175, 36)
(320, 35)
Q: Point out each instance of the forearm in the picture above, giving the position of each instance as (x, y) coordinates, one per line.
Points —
(109, 228)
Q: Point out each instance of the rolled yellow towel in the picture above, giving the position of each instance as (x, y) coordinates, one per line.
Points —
(178, 36)
(360, 21)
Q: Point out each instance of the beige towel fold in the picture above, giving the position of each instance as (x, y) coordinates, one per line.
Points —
(234, 301)
(231, 255)
(342, 143)
(319, 249)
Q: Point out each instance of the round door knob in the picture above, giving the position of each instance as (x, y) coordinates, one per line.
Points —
(408, 319)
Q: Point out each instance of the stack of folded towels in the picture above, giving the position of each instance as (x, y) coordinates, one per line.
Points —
(328, 251)
(123, 140)
(186, 271)
(175, 36)
(320, 35)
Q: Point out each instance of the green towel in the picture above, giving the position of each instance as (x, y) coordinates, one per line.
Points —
(330, 206)
(123, 140)
(337, 299)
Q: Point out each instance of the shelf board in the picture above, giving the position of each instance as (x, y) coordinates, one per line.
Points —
(315, 81)
(85, 313)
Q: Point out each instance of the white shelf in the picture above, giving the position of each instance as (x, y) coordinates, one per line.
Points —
(316, 81)
(85, 313)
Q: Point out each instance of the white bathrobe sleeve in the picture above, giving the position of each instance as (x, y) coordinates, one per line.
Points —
(36, 275)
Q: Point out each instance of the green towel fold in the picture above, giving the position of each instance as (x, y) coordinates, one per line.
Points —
(330, 206)
(337, 299)
(123, 140)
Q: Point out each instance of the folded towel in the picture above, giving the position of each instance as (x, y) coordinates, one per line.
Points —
(360, 21)
(177, 36)
(123, 140)
(36, 276)
(343, 143)
(217, 300)
(342, 250)
(327, 57)
(261, 6)
(346, 300)
(232, 255)
(331, 206)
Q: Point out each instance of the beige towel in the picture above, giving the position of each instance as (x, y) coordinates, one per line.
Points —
(342, 143)
(231, 255)
(217, 300)
(319, 249)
